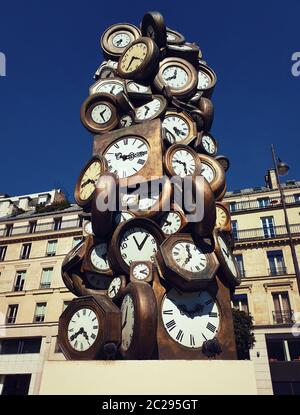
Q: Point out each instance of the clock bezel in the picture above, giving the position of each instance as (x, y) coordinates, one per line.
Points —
(170, 153)
(225, 208)
(198, 145)
(180, 39)
(219, 181)
(189, 120)
(175, 208)
(207, 92)
(134, 264)
(110, 51)
(101, 81)
(87, 265)
(156, 20)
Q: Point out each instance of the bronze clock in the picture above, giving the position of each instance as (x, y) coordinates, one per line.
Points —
(116, 38)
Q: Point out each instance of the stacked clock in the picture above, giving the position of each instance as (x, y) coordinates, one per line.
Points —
(152, 281)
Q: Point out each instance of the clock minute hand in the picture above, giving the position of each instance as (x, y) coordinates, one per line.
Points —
(143, 243)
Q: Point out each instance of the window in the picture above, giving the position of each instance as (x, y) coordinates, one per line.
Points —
(51, 248)
(40, 310)
(297, 198)
(240, 263)
(234, 226)
(263, 202)
(32, 226)
(66, 304)
(240, 302)
(276, 263)
(268, 226)
(46, 278)
(76, 241)
(16, 384)
(3, 250)
(12, 313)
(20, 346)
(8, 230)
(80, 221)
(20, 281)
(43, 199)
(57, 224)
(294, 349)
(286, 388)
(282, 313)
(276, 350)
(232, 206)
(285, 348)
(25, 251)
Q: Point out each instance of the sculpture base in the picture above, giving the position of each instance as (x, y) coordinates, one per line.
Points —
(151, 377)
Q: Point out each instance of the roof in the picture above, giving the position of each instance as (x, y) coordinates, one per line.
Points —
(290, 184)
(32, 213)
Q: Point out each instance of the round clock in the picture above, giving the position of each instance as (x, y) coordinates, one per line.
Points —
(179, 127)
(135, 239)
(141, 271)
(190, 319)
(206, 143)
(152, 109)
(228, 264)
(87, 228)
(126, 120)
(98, 258)
(86, 183)
(213, 173)
(153, 26)
(86, 325)
(223, 221)
(116, 38)
(139, 60)
(108, 86)
(179, 75)
(174, 38)
(181, 160)
(206, 80)
(117, 288)
(99, 114)
(173, 221)
(139, 320)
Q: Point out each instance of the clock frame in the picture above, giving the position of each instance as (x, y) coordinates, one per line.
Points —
(218, 183)
(223, 223)
(187, 119)
(96, 87)
(174, 37)
(114, 295)
(138, 91)
(169, 155)
(187, 51)
(224, 161)
(153, 25)
(158, 114)
(199, 146)
(87, 265)
(174, 209)
(138, 264)
(112, 51)
(208, 73)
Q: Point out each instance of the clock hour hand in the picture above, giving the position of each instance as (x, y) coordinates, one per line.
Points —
(131, 60)
(75, 335)
(225, 252)
(177, 131)
(183, 163)
(143, 243)
(87, 182)
(101, 113)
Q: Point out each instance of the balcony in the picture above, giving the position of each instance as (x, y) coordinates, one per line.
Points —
(276, 272)
(265, 233)
(41, 228)
(257, 205)
(283, 317)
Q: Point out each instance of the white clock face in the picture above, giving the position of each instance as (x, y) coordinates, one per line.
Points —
(149, 110)
(183, 163)
(135, 87)
(114, 287)
(126, 121)
(208, 144)
(127, 310)
(170, 223)
(141, 271)
(99, 257)
(89, 180)
(203, 80)
(121, 40)
(101, 114)
(175, 77)
(88, 228)
(127, 156)
(83, 329)
(229, 258)
(122, 217)
(207, 172)
(110, 88)
(189, 257)
(138, 243)
(177, 129)
(221, 217)
(190, 318)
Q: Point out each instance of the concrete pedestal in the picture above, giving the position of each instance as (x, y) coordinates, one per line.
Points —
(164, 377)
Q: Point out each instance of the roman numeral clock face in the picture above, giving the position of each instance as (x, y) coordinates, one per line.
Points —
(83, 329)
(127, 156)
(190, 318)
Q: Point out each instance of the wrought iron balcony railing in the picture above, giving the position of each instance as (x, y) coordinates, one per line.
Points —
(265, 233)
(283, 317)
(262, 204)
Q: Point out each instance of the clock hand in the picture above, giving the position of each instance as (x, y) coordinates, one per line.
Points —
(113, 289)
(225, 252)
(147, 110)
(87, 182)
(183, 163)
(131, 60)
(137, 244)
(101, 113)
(75, 335)
(167, 223)
(173, 137)
(177, 131)
(113, 88)
(118, 42)
(143, 271)
(144, 241)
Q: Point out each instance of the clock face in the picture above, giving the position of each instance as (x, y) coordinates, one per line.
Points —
(204, 80)
(138, 243)
(208, 144)
(83, 329)
(175, 76)
(229, 258)
(88, 228)
(101, 114)
(135, 87)
(183, 163)
(189, 257)
(98, 257)
(126, 121)
(141, 271)
(221, 219)
(127, 310)
(177, 129)
(89, 180)
(110, 88)
(207, 172)
(122, 217)
(134, 57)
(170, 223)
(121, 40)
(190, 318)
(127, 156)
(114, 287)
(149, 110)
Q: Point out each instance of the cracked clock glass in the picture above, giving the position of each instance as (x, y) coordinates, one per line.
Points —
(138, 243)
(189, 257)
(190, 318)
(83, 329)
(126, 156)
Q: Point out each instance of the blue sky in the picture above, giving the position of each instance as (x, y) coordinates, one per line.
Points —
(52, 51)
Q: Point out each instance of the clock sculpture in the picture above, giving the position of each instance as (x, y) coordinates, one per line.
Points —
(150, 282)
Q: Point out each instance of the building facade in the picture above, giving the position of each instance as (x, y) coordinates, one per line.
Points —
(269, 289)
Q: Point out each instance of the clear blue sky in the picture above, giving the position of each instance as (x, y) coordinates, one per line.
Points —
(52, 51)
